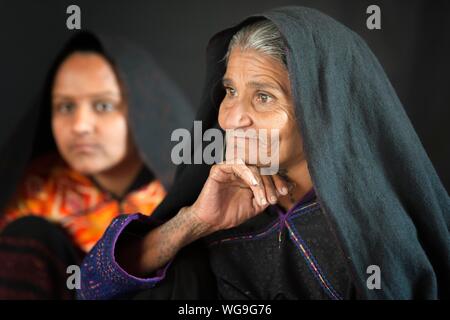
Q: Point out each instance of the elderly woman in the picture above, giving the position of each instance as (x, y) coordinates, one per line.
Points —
(97, 155)
(355, 191)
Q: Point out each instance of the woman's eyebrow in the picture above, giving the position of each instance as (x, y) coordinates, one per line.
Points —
(91, 95)
(259, 85)
(264, 85)
(226, 81)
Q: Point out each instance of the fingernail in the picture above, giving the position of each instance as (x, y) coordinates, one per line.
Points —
(273, 199)
(254, 181)
(263, 201)
(284, 191)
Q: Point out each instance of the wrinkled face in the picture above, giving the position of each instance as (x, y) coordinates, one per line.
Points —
(258, 96)
(89, 117)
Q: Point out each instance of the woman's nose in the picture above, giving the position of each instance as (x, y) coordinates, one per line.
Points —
(237, 116)
(83, 120)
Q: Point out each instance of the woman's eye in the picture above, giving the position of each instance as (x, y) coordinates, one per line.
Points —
(230, 91)
(65, 107)
(103, 106)
(264, 97)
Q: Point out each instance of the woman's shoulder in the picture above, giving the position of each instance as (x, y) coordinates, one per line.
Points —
(50, 168)
(41, 180)
(46, 164)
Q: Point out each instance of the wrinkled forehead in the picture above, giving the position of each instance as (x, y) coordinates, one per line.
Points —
(256, 70)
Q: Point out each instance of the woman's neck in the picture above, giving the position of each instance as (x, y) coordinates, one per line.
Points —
(300, 184)
(119, 178)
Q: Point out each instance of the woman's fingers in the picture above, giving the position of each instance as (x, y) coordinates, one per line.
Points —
(271, 192)
(274, 186)
(224, 172)
(281, 186)
(259, 188)
(266, 189)
(242, 171)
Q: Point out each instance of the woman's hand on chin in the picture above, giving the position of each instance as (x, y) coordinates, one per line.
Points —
(233, 193)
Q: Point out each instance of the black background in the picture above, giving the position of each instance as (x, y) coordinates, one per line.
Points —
(413, 46)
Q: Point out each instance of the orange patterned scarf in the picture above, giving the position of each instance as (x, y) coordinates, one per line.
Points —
(54, 191)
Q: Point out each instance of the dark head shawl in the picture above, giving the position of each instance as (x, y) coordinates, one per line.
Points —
(372, 176)
(156, 107)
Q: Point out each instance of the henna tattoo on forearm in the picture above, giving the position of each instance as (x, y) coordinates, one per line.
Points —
(165, 241)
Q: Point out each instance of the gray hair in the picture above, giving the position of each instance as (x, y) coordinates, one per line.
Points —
(262, 36)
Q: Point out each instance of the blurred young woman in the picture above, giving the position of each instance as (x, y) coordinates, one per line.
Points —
(101, 149)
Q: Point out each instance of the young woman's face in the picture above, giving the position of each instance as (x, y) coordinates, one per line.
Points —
(89, 116)
(258, 96)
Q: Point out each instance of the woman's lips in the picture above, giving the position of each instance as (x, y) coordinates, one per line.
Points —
(245, 142)
(84, 147)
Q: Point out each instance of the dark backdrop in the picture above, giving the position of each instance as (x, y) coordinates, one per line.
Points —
(413, 46)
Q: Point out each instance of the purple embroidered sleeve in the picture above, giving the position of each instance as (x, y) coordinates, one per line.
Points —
(102, 277)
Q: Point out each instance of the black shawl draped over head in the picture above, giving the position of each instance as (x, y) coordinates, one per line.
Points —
(156, 107)
(372, 176)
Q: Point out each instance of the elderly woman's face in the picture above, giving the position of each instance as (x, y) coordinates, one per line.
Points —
(258, 96)
(89, 118)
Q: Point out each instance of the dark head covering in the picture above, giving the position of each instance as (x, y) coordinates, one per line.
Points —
(155, 106)
(371, 174)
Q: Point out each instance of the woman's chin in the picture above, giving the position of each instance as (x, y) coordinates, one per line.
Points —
(88, 168)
